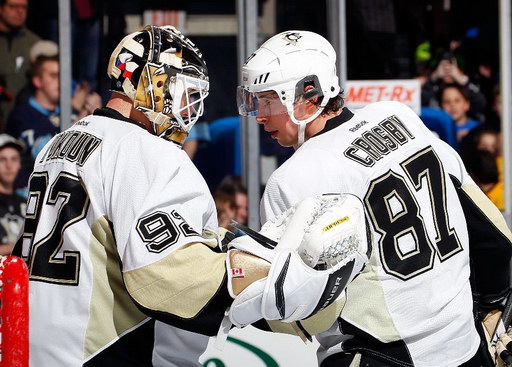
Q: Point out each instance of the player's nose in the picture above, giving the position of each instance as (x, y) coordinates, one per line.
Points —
(261, 119)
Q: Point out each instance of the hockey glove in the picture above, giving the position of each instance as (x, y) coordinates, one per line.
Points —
(326, 230)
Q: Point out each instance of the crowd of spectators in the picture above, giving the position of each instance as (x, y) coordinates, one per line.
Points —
(461, 89)
(470, 106)
(29, 73)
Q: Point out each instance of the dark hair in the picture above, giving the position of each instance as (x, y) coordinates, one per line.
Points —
(468, 144)
(231, 184)
(39, 61)
(482, 167)
(3, 2)
(333, 105)
(462, 90)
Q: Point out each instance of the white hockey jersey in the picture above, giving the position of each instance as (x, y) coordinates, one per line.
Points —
(110, 214)
(412, 304)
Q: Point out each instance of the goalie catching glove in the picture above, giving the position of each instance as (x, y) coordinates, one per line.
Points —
(322, 245)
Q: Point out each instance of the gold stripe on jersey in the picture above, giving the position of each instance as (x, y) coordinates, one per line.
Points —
(367, 304)
(112, 312)
(489, 209)
(182, 283)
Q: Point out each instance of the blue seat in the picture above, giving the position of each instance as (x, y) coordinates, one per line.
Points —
(441, 123)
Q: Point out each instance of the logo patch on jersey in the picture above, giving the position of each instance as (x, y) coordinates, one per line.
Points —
(237, 273)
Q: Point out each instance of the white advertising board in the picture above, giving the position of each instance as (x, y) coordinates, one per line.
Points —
(359, 93)
(250, 347)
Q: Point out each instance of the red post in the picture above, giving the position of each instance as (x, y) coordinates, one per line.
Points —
(13, 312)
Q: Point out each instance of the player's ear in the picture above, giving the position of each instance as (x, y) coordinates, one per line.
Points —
(36, 81)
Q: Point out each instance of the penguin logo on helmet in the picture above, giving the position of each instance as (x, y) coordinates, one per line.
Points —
(292, 38)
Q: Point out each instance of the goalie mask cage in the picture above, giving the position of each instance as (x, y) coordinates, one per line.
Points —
(13, 312)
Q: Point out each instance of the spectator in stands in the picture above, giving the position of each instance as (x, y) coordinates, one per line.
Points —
(82, 95)
(448, 71)
(40, 116)
(233, 187)
(482, 168)
(481, 152)
(12, 205)
(40, 48)
(454, 99)
(15, 43)
(494, 116)
(38, 120)
(226, 209)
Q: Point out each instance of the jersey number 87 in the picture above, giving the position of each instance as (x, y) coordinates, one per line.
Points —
(395, 213)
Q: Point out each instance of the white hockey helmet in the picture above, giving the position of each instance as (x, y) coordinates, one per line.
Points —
(286, 64)
(165, 76)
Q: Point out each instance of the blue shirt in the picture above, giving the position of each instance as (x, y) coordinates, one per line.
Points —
(29, 122)
(471, 124)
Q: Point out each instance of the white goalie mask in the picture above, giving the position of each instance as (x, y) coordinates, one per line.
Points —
(165, 76)
(287, 63)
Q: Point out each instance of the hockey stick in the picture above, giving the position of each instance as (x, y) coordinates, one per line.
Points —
(258, 237)
(506, 316)
(505, 319)
(501, 327)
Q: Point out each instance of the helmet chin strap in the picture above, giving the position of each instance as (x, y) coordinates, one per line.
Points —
(301, 138)
(302, 135)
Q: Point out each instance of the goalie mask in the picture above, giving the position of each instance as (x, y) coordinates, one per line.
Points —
(288, 64)
(165, 76)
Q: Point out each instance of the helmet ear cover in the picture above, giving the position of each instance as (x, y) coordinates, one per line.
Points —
(302, 91)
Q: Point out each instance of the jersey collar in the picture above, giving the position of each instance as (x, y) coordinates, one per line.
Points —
(113, 114)
(336, 121)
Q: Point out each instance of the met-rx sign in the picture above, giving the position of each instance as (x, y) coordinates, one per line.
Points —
(359, 93)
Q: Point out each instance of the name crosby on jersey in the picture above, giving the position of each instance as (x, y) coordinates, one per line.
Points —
(378, 141)
(74, 146)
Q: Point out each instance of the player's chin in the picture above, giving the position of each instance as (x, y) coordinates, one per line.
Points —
(284, 142)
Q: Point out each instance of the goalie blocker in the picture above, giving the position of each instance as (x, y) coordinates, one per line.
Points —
(322, 244)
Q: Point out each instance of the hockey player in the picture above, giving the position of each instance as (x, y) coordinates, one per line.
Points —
(121, 229)
(412, 306)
